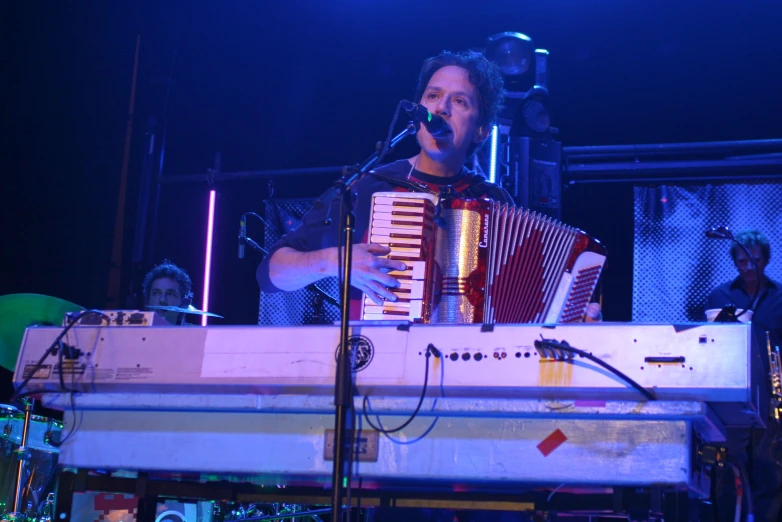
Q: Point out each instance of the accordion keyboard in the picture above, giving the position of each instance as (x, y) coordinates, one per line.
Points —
(403, 223)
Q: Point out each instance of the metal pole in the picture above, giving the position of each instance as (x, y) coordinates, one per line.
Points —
(677, 148)
(22, 456)
(115, 269)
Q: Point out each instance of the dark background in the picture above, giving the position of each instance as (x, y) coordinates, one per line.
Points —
(314, 83)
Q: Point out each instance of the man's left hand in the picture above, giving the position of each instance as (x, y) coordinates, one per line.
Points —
(593, 313)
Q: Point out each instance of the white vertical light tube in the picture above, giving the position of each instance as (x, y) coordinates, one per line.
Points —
(208, 255)
(495, 137)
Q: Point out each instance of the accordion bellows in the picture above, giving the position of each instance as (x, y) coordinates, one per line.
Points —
(479, 261)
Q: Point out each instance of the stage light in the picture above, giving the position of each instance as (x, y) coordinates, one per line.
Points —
(525, 74)
(532, 117)
(515, 55)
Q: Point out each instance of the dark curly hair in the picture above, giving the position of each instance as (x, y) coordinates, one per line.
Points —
(484, 75)
(751, 238)
(166, 269)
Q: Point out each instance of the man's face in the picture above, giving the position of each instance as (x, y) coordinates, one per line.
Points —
(450, 94)
(166, 292)
(744, 265)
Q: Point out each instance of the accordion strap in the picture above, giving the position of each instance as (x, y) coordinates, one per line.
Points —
(478, 188)
(412, 186)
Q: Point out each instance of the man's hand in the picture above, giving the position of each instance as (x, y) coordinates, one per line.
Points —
(290, 269)
(369, 272)
(593, 313)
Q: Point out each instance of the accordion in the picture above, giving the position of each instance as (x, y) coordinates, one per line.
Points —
(479, 261)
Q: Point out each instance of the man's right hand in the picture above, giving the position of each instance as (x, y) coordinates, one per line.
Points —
(369, 272)
(290, 269)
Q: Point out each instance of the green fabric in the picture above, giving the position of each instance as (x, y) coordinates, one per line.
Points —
(19, 311)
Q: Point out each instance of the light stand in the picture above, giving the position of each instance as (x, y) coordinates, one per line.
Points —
(343, 381)
(727, 314)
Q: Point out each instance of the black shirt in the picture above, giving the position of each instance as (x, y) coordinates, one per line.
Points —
(767, 315)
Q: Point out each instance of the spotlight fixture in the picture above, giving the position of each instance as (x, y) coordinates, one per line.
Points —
(532, 117)
(525, 73)
(527, 160)
(515, 54)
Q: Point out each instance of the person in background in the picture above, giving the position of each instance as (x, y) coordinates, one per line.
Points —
(168, 285)
(753, 448)
(767, 314)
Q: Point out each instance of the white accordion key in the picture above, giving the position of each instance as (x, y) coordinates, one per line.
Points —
(410, 289)
(391, 311)
(404, 253)
(415, 270)
(399, 241)
(397, 219)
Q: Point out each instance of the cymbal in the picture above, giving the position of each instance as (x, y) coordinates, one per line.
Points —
(189, 310)
(18, 311)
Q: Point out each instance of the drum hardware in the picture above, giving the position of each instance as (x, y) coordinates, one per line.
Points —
(189, 310)
(48, 509)
(18, 312)
(274, 511)
(48, 436)
(10, 411)
(24, 455)
(29, 465)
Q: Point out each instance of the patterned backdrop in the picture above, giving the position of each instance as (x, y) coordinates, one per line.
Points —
(291, 308)
(675, 265)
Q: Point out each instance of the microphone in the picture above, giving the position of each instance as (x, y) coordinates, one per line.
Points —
(242, 235)
(244, 240)
(722, 232)
(435, 124)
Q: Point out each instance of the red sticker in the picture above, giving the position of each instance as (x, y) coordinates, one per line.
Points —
(552, 442)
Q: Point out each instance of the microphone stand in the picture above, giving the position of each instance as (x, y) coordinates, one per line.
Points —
(343, 383)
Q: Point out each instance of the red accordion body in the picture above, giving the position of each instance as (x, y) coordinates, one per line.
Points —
(478, 261)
